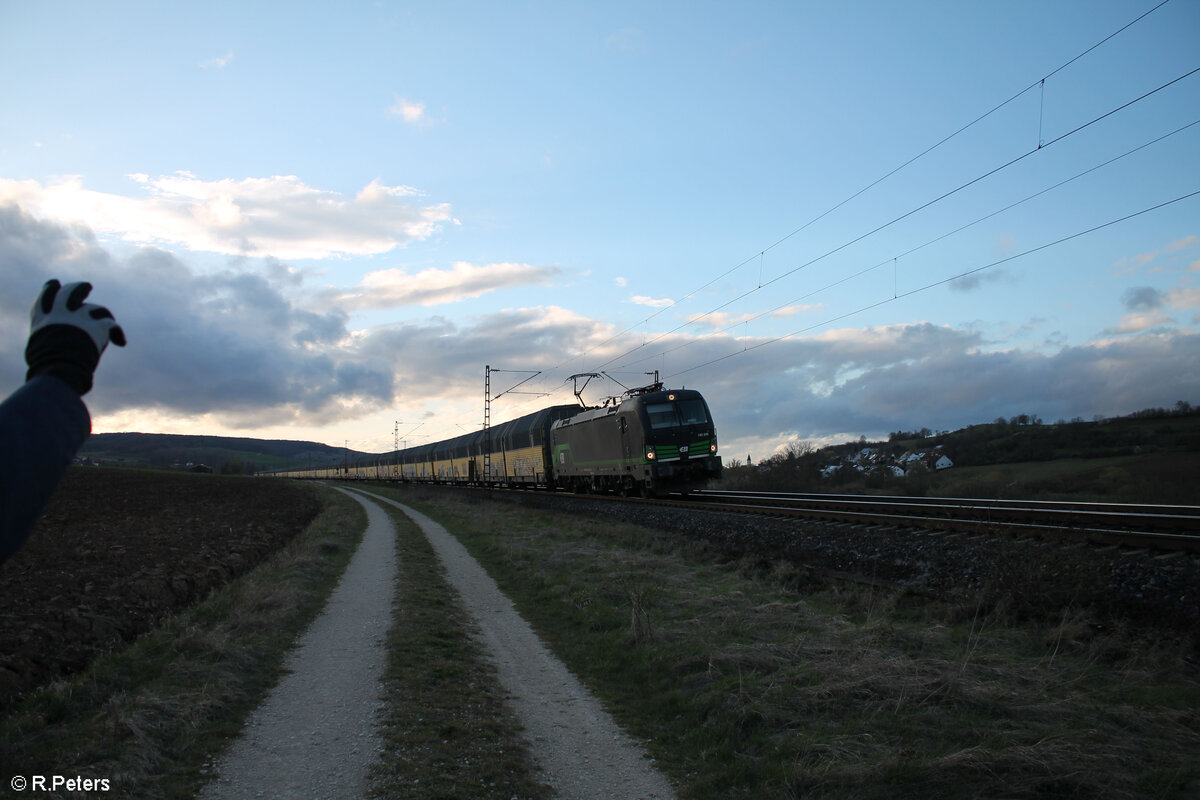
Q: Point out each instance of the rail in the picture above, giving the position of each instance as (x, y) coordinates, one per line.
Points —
(1162, 527)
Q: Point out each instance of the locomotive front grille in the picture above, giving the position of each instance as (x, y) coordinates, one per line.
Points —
(672, 452)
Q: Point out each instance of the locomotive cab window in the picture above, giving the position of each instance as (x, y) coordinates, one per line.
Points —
(674, 415)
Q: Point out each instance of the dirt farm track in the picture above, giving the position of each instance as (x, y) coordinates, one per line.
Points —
(116, 551)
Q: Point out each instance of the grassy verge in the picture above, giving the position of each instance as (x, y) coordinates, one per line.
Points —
(146, 718)
(1152, 478)
(447, 731)
(755, 680)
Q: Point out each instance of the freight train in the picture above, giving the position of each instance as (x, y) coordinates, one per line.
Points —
(646, 442)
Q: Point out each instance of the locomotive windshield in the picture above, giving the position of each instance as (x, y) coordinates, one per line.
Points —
(676, 414)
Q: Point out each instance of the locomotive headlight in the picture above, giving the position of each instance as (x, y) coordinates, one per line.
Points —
(650, 454)
(712, 447)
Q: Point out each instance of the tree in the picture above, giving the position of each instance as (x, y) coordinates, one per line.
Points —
(796, 450)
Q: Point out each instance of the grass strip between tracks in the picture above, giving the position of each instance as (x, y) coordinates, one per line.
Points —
(148, 717)
(751, 679)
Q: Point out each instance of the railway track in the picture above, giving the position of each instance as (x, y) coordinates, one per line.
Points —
(1139, 561)
(1169, 528)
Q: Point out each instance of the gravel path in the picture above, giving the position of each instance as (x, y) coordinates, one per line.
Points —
(314, 736)
(582, 752)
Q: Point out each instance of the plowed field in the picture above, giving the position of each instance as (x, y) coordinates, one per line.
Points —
(117, 551)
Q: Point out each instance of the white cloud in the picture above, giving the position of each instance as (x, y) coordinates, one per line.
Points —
(652, 302)
(719, 320)
(219, 62)
(392, 288)
(241, 349)
(1183, 298)
(230, 343)
(410, 111)
(278, 216)
(1138, 321)
(1129, 265)
(791, 311)
(877, 380)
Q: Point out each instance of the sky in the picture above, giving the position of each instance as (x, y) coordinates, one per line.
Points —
(324, 221)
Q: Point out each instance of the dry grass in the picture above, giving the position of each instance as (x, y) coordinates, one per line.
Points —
(748, 682)
(147, 717)
(447, 731)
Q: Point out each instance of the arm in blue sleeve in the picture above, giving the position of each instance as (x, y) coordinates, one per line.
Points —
(42, 426)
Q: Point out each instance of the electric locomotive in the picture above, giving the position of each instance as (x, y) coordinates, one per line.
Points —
(649, 441)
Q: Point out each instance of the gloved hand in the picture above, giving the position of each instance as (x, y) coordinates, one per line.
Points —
(68, 335)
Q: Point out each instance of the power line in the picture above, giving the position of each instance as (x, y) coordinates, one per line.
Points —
(941, 282)
(1040, 148)
(1105, 39)
(1049, 244)
(1040, 82)
(959, 229)
(759, 255)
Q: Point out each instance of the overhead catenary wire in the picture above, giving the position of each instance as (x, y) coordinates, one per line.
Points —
(894, 259)
(908, 214)
(1039, 82)
(941, 282)
(896, 295)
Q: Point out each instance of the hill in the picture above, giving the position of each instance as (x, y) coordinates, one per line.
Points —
(1151, 456)
(226, 454)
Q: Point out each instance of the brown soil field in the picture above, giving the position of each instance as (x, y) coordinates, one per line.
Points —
(117, 551)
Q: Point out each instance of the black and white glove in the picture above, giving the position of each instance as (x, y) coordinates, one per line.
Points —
(68, 335)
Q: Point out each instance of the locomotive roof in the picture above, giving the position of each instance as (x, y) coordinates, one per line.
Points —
(587, 415)
(664, 396)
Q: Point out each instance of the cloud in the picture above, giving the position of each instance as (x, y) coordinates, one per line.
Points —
(719, 320)
(243, 348)
(410, 111)
(652, 302)
(1139, 321)
(1168, 252)
(1183, 298)
(1142, 298)
(791, 311)
(872, 381)
(232, 343)
(1186, 243)
(440, 357)
(393, 288)
(218, 63)
(969, 283)
(1131, 264)
(278, 216)
(1145, 305)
